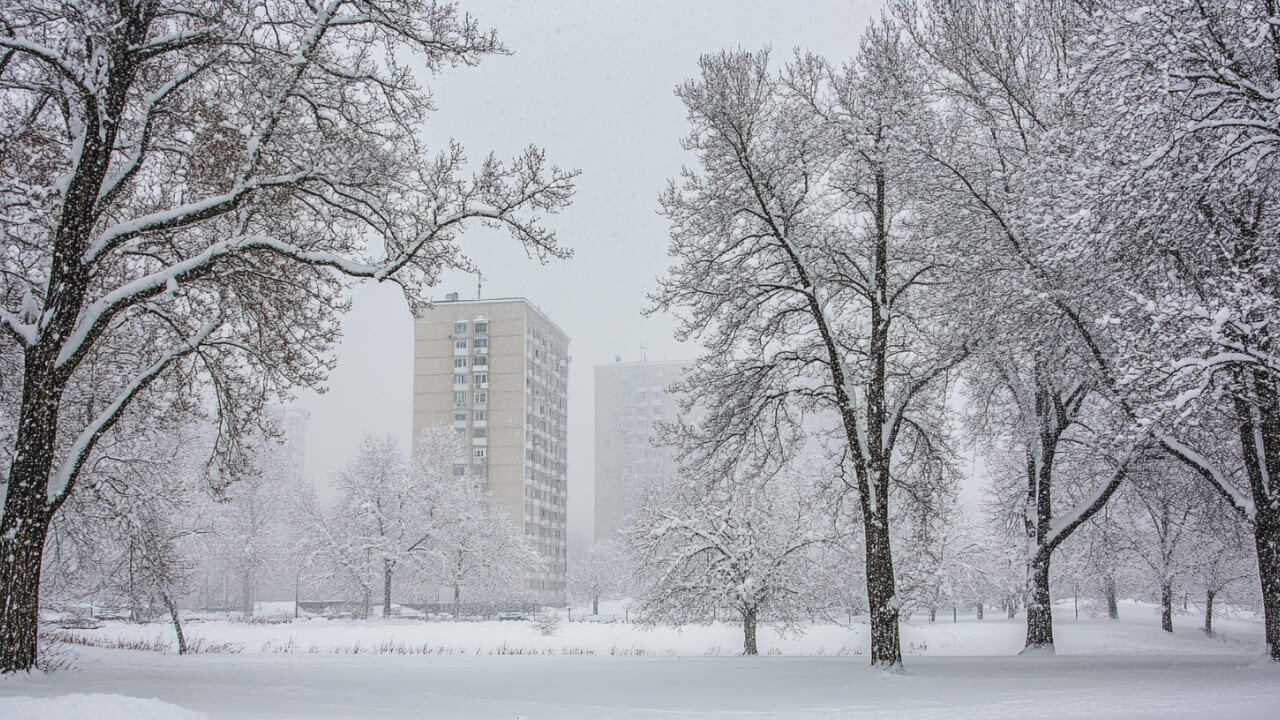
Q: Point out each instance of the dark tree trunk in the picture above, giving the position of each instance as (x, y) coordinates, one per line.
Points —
(1113, 607)
(1039, 606)
(886, 648)
(22, 543)
(1208, 612)
(457, 599)
(24, 526)
(177, 623)
(1269, 576)
(955, 614)
(595, 604)
(1011, 607)
(977, 609)
(386, 587)
(1260, 444)
(1166, 607)
(933, 613)
(749, 631)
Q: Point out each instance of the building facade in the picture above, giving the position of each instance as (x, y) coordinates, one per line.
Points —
(498, 371)
(630, 398)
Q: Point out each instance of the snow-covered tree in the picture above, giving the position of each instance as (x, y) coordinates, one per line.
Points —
(187, 189)
(250, 539)
(479, 550)
(1171, 174)
(602, 574)
(135, 541)
(799, 274)
(742, 544)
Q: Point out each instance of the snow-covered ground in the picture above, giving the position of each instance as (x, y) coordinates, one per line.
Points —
(1104, 669)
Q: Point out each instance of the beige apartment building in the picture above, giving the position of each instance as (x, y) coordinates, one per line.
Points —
(630, 398)
(497, 370)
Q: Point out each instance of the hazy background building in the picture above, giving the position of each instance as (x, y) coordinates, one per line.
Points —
(630, 398)
(497, 370)
(295, 436)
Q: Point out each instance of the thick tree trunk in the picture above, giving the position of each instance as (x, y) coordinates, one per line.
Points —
(1166, 607)
(1113, 607)
(977, 609)
(886, 648)
(386, 588)
(22, 538)
(1039, 606)
(177, 623)
(24, 526)
(1208, 612)
(595, 604)
(749, 632)
(1260, 446)
(1267, 538)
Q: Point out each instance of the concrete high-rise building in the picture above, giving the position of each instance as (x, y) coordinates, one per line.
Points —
(498, 371)
(630, 398)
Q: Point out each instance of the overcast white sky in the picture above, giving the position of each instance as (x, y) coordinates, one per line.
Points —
(591, 81)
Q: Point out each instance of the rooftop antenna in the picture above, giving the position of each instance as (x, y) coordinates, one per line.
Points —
(644, 353)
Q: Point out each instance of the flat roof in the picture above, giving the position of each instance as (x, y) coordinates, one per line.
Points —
(482, 301)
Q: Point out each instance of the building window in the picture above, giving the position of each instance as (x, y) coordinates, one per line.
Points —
(460, 397)
(480, 433)
(459, 470)
(459, 362)
(482, 415)
(460, 328)
(460, 344)
(482, 327)
(480, 453)
(480, 378)
(482, 396)
(459, 379)
(460, 416)
(480, 342)
(480, 360)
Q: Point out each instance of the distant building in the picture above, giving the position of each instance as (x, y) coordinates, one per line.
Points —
(295, 436)
(498, 371)
(630, 398)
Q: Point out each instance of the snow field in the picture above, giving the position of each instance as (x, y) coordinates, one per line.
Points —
(957, 671)
(1136, 633)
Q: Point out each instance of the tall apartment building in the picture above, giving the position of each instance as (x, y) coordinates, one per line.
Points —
(630, 398)
(498, 371)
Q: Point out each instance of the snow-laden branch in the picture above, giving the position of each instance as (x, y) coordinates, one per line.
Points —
(50, 57)
(63, 479)
(1210, 472)
(185, 214)
(24, 333)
